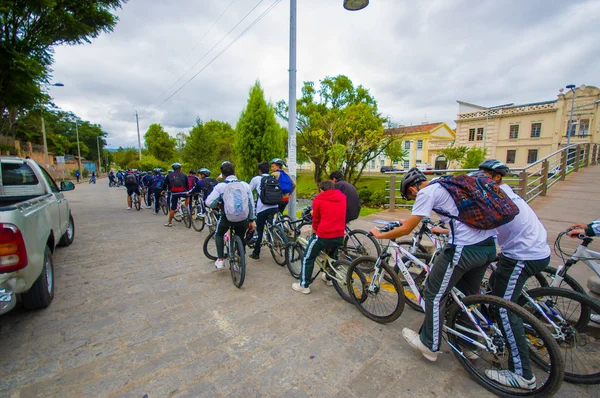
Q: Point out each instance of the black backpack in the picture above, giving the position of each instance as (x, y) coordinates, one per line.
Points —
(178, 182)
(270, 191)
(130, 179)
(209, 185)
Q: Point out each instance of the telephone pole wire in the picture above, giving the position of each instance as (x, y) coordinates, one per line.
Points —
(137, 121)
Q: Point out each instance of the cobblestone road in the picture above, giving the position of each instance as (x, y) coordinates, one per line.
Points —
(139, 310)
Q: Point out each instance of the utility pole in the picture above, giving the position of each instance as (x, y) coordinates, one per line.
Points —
(99, 158)
(45, 143)
(78, 150)
(137, 121)
(292, 107)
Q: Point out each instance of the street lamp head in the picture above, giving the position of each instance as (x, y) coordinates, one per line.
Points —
(58, 85)
(355, 5)
(571, 86)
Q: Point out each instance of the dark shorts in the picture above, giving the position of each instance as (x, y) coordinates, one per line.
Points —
(175, 198)
(131, 190)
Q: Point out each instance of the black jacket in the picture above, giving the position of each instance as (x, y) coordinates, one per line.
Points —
(352, 200)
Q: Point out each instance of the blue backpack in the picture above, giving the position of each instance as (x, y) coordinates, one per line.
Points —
(285, 182)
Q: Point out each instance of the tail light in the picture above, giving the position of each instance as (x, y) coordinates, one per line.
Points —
(13, 255)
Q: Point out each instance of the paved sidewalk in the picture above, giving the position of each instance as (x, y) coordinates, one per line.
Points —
(139, 310)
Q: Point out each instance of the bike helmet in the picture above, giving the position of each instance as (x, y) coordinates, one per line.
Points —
(412, 177)
(192, 171)
(204, 171)
(495, 166)
(157, 170)
(277, 161)
(176, 166)
(225, 162)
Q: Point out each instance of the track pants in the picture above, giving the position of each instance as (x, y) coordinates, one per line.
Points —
(156, 203)
(508, 281)
(463, 266)
(223, 225)
(312, 251)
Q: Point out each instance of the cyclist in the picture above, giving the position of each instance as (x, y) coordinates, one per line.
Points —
(207, 184)
(592, 229)
(147, 181)
(132, 185)
(462, 262)
(111, 177)
(192, 182)
(176, 183)
(264, 212)
(216, 198)
(328, 223)
(157, 187)
(352, 200)
(525, 252)
(286, 182)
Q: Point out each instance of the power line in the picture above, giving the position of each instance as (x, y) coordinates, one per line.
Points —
(208, 52)
(201, 39)
(225, 49)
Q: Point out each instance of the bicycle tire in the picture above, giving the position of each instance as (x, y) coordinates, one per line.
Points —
(359, 243)
(147, 201)
(542, 337)
(278, 245)
(293, 258)
(545, 278)
(342, 290)
(198, 221)
(210, 247)
(237, 261)
(361, 296)
(163, 206)
(578, 336)
(185, 215)
(137, 203)
(286, 224)
(409, 243)
(419, 276)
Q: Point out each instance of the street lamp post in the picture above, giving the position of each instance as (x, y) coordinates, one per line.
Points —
(99, 158)
(44, 128)
(572, 88)
(78, 150)
(351, 5)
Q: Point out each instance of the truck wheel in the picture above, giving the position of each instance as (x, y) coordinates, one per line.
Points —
(42, 291)
(69, 235)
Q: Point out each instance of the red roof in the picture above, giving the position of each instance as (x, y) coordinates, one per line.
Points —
(417, 129)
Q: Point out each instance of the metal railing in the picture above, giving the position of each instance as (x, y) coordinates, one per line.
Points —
(529, 182)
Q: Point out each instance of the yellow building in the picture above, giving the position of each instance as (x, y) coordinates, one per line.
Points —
(522, 134)
(423, 143)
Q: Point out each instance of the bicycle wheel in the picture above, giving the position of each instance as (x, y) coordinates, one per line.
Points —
(546, 277)
(237, 261)
(198, 218)
(163, 205)
(341, 271)
(286, 224)
(185, 215)
(278, 245)
(418, 275)
(383, 301)
(358, 243)
(147, 201)
(579, 342)
(293, 258)
(136, 201)
(489, 311)
(210, 247)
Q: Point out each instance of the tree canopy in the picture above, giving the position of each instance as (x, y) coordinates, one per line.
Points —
(208, 144)
(160, 144)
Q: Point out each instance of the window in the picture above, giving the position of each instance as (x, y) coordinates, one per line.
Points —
(511, 154)
(573, 129)
(419, 144)
(406, 144)
(418, 162)
(406, 164)
(480, 134)
(471, 134)
(50, 181)
(373, 163)
(536, 130)
(532, 155)
(18, 174)
(584, 126)
(395, 163)
(514, 132)
(382, 162)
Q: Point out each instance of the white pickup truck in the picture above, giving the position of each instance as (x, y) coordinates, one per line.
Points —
(34, 219)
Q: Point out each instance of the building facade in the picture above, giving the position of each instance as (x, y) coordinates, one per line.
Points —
(521, 134)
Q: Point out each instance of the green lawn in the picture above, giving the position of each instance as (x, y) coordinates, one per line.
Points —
(306, 187)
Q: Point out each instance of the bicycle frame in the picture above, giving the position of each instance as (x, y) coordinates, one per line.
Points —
(581, 254)
(323, 260)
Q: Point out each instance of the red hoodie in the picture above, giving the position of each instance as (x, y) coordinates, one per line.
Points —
(329, 214)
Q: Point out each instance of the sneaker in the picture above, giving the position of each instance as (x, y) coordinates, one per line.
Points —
(155, 212)
(254, 256)
(169, 224)
(220, 264)
(325, 279)
(296, 286)
(129, 208)
(510, 379)
(414, 340)
(595, 318)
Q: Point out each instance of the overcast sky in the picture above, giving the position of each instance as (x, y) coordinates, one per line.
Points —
(416, 57)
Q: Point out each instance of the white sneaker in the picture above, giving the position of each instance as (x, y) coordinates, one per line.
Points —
(296, 286)
(414, 340)
(327, 281)
(129, 208)
(595, 318)
(220, 264)
(510, 379)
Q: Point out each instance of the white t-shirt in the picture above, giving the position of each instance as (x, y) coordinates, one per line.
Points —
(524, 238)
(255, 184)
(434, 196)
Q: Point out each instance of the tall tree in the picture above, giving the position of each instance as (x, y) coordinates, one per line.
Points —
(258, 136)
(208, 144)
(31, 30)
(160, 144)
(338, 125)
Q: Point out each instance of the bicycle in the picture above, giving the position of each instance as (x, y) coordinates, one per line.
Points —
(234, 253)
(275, 239)
(472, 323)
(147, 197)
(198, 213)
(182, 213)
(135, 201)
(163, 203)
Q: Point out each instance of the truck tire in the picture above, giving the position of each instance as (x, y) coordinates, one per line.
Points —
(42, 291)
(69, 234)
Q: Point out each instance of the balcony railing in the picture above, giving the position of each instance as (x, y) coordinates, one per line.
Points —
(549, 106)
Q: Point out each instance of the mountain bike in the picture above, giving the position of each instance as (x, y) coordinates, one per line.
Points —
(182, 213)
(163, 203)
(198, 213)
(135, 201)
(234, 254)
(275, 239)
(473, 324)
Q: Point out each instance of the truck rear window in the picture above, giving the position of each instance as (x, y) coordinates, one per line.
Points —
(17, 174)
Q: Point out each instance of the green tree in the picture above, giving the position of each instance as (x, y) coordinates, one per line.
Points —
(208, 144)
(126, 157)
(454, 154)
(396, 152)
(30, 32)
(258, 136)
(160, 144)
(473, 157)
(338, 124)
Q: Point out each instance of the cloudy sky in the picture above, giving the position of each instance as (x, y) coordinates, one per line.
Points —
(416, 57)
